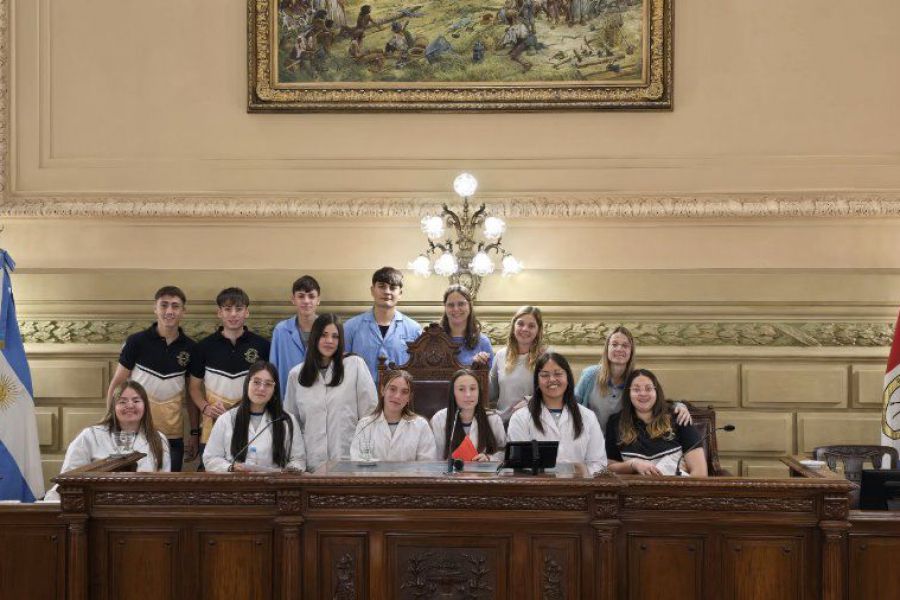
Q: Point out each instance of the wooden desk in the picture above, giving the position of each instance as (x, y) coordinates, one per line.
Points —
(873, 542)
(798, 469)
(354, 532)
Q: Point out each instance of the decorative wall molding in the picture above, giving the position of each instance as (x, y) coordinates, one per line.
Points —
(557, 333)
(565, 205)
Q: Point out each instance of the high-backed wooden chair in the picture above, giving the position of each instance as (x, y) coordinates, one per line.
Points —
(432, 362)
(705, 422)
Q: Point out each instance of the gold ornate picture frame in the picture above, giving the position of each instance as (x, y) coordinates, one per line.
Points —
(466, 55)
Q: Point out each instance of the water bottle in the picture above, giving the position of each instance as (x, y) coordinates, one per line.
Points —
(252, 458)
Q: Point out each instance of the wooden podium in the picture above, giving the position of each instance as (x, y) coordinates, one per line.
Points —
(411, 531)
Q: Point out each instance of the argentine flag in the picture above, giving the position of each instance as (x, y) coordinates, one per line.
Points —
(20, 455)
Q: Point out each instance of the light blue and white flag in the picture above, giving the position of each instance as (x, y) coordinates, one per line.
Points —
(20, 454)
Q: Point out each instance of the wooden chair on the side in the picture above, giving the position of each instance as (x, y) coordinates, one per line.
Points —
(432, 362)
(705, 422)
(853, 459)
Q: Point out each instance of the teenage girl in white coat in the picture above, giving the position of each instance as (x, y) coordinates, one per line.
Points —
(393, 432)
(553, 414)
(278, 443)
(329, 393)
(484, 427)
(127, 410)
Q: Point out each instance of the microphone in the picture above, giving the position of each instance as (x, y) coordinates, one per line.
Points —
(709, 433)
(450, 463)
(259, 433)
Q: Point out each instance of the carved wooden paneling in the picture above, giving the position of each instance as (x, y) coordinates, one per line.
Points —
(423, 567)
(873, 567)
(32, 563)
(343, 564)
(762, 567)
(665, 566)
(402, 501)
(235, 565)
(143, 564)
(555, 572)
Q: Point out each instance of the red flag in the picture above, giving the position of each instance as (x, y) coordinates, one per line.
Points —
(890, 415)
(466, 450)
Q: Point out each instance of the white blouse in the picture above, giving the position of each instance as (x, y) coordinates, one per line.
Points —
(439, 422)
(96, 443)
(217, 455)
(589, 448)
(412, 439)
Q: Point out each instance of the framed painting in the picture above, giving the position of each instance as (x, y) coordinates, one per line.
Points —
(459, 55)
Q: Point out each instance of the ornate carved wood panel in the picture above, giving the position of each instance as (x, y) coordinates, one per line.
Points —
(32, 563)
(763, 567)
(555, 568)
(235, 565)
(343, 565)
(873, 567)
(665, 566)
(427, 567)
(143, 564)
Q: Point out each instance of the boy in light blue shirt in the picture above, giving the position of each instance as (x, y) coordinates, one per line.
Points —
(290, 336)
(384, 330)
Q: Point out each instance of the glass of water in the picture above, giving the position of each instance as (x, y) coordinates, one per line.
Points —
(365, 450)
(124, 442)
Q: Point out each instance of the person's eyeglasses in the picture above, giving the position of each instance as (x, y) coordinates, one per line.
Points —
(647, 389)
(262, 383)
(126, 401)
(552, 374)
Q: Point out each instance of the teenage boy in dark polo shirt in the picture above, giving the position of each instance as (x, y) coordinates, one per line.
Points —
(223, 359)
(158, 358)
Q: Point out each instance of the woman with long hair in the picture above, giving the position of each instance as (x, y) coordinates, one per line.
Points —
(512, 372)
(257, 434)
(460, 323)
(644, 438)
(473, 420)
(329, 393)
(393, 432)
(601, 386)
(552, 414)
(127, 410)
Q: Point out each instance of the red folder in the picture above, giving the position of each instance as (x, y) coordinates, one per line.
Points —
(466, 450)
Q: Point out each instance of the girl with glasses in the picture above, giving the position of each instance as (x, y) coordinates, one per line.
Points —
(460, 323)
(552, 414)
(329, 393)
(126, 411)
(257, 434)
(645, 438)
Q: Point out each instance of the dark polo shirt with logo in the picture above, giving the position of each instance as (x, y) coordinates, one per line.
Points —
(162, 369)
(223, 367)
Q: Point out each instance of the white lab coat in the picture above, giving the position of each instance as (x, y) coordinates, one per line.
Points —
(217, 455)
(96, 442)
(589, 448)
(328, 415)
(439, 422)
(412, 440)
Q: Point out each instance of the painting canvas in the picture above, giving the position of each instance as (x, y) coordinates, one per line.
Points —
(459, 54)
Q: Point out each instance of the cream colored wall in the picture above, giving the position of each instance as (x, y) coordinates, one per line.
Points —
(748, 235)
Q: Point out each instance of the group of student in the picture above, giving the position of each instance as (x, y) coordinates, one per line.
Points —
(310, 397)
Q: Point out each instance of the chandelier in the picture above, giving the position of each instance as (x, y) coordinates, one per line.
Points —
(453, 248)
